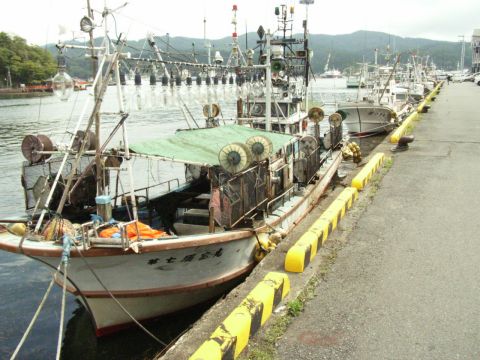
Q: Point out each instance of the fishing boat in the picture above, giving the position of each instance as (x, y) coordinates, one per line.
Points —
(130, 253)
(355, 81)
(356, 78)
(385, 106)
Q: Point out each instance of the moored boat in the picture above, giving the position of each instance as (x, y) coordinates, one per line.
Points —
(129, 254)
(385, 106)
(365, 117)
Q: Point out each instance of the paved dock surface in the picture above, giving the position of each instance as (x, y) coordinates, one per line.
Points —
(407, 284)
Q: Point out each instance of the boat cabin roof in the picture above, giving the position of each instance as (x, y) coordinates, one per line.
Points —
(202, 146)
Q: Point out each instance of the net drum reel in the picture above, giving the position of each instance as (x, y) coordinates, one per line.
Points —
(235, 157)
(33, 144)
(257, 110)
(336, 129)
(316, 114)
(215, 110)
(308, 144)
(88, 137)
(260, 146)
(211, 111)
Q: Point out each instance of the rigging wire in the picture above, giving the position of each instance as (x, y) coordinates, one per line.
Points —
(70, 117)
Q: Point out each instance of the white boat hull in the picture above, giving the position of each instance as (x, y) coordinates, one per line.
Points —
(109, 317)
(367, 118)
(156, 283)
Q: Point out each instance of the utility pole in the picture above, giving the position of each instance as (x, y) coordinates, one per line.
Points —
(462, 56)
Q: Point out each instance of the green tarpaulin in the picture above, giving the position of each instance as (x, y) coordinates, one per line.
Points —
(203, 145)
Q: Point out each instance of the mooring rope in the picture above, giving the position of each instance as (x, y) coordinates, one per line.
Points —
(62, 312)
(67, 245)
(35, 316)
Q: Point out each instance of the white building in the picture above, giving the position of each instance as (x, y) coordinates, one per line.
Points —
(476, 51)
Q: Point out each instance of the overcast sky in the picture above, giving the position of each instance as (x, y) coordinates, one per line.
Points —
(38, 20)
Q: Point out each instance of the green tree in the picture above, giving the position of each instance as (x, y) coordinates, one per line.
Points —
(27, 63)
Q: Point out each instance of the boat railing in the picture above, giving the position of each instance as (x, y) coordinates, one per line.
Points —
(286, 195)
(95, 240)
(147, 190)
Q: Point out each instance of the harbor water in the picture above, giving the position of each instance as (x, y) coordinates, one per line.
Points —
(154, 113)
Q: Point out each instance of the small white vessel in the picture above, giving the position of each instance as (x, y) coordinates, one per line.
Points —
(330, 73)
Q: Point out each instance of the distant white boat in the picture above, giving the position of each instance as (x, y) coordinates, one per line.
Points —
(330, 74)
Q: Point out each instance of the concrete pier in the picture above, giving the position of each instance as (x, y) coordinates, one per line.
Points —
(406, 284)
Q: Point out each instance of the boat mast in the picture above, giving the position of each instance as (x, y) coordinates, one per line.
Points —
(158, 54)
(325, 69)
(268, 89)
(307, 51)
(98, 163)
(236, 57)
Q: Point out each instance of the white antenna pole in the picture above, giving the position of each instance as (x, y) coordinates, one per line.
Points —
(268, 90)
(206, 42)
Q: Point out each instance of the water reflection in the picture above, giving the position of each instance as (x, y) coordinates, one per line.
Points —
(81, 343)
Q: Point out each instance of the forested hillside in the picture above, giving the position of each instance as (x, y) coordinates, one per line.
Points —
(27, 64)
(31, 63)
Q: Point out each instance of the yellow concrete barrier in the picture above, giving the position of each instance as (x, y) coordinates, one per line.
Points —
(400, 131)
(421, 106)
(364, 176)
(230, 338)
(304, 250)
(434, 92)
